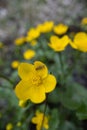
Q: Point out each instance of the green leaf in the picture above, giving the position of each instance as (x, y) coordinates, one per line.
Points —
(82, 112)
(54, 120)
(70, 98)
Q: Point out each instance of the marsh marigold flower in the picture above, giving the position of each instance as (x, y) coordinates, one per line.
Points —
(1, 45)
(9, 126)
(84, 21)
(80, 42)
(22, 103)
(29, 54)
(33, 42)
(58, 44)
(15, 64)
(40, 120)
(60, 29)
(32, 34)
(19, 124)
(46, 26)
(35, 82)
(19, 41)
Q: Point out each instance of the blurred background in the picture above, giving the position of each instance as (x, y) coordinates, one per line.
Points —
(16, 16)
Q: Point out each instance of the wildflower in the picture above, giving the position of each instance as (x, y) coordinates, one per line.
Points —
(19, 41)
(9, 126)
(84, 21)
(22, 103)
(58, 44)
(35, 83)
(60, 29)
(1, 45)
(46, 26)
(15, 64)
(32, 34)
(29, 54)
(80, 42)
(33, 42)
(19, 124)
(40, 120)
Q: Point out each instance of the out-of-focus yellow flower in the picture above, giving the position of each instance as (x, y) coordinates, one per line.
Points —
(80, 42)
(9, 126)
(29, 54)
(46, 26)
(1, 45)
(19, 41)
(15, 64)
(19, 124)
(35, 83)
(22, 103)
(40, 120)
(33, 42)
(84, 21)
(32, 34)
(58, 44)
(60, 29)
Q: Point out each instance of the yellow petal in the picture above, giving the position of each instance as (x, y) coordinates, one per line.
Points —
(37, 94)
(41, 69)
(34, 120)
(49, 83)
(22, 90)
(25, 70)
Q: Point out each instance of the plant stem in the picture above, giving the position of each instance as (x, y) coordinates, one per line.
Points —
(4, 77)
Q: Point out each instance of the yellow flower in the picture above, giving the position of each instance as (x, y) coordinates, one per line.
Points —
(1, 44)
(40, 120)
(80, 42)
(15, 64)
(22, 103)
(46, 26)
(60, 29)
(29, 54)
(19, 41)
(33, 42)
(19, 124)
(35, 83)
(32, 34)
(9, 126)
(84, 21)
(58, 44)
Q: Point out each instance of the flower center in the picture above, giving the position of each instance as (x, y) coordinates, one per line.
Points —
(36, 80)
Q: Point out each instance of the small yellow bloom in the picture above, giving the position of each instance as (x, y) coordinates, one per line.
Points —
(84, 21)
(46, 26)
(9, 126)
(32, 34)
(29, 54)
(33, 42)
(15, 64)
(19, 41)
(40, 120)
(35, 82)
(58, 44)
(19, 124)
(80, 42)
(60, 29)
(22, 103)
(1, 45)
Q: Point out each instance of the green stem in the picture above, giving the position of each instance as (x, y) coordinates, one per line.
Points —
(4, 77)
(44, 114)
